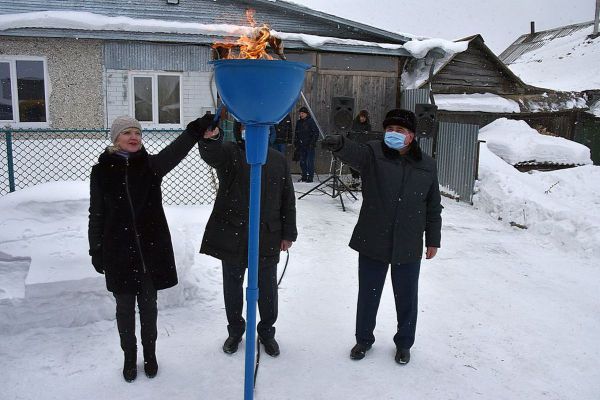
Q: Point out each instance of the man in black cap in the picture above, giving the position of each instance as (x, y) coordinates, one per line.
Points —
(226, 233)
(305, 141)
(401, 201)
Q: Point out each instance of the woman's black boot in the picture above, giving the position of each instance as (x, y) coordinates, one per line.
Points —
(130, 365)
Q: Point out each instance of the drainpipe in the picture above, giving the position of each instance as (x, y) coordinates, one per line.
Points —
(596, 18)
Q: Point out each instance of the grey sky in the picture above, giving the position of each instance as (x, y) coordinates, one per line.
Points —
(499, 21)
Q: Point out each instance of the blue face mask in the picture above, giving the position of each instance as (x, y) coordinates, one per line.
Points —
(395, 140)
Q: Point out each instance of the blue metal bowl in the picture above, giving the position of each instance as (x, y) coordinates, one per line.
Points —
(259, 92)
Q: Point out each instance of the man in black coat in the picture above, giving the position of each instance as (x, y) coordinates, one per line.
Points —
(401, 201)
(305, 140)
(283, 134)
(226, 234)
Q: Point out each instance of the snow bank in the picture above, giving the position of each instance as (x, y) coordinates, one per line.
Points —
(515, 142)
(563, 206)
(47, 277)
(484, 102)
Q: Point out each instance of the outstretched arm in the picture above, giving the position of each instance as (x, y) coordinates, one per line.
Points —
(357, 155)
(170, 156)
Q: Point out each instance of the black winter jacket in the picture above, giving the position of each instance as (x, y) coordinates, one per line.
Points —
(226, 234)
(307, 133)
(401, 200)
(358, 126)
(128, 232)
(284, 131)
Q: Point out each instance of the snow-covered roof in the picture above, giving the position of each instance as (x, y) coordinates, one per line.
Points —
(595, 109)
(516, 142)
(561, 59)
(92, 22)
(484, 102)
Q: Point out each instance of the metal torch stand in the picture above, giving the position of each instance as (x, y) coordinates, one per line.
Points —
(337, 185)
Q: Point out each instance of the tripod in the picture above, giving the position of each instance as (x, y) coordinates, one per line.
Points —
(337, 186)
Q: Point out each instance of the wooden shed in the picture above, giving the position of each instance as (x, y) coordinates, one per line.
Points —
(479, 71)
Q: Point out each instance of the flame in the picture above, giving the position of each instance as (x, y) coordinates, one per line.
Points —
(252, 46)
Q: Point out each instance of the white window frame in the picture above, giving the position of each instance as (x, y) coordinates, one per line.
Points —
(12, 61)
(154, 75)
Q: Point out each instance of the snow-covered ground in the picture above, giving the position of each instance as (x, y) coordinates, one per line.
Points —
(505, 313)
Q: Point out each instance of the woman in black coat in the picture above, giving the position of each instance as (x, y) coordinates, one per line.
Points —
(361, 123)
(128, 234)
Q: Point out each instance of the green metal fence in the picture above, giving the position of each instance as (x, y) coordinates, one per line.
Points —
(33, 156)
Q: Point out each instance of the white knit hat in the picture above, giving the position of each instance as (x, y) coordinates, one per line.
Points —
(120, 124)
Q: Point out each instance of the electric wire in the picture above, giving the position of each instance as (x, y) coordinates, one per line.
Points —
(257, 339)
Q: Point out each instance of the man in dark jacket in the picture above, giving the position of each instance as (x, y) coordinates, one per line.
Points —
(283, 134)
(401, 201)
(226, 234)
(307, 134)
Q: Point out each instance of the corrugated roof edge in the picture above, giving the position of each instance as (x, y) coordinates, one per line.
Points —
(387, 35)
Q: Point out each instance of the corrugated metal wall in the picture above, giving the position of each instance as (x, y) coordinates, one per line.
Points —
(414, 96)
(455, 149)
(156, 56)
(456, 156)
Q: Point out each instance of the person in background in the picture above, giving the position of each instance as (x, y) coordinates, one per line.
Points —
(305, 141)
(128, 234)
(401, 201)
(283, 134)
(226, 233)
(360, 124)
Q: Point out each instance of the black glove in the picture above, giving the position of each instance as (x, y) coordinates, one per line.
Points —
(333, 142)
(198, 126)
(97, 263)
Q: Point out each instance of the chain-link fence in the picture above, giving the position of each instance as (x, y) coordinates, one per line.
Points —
(33, 156)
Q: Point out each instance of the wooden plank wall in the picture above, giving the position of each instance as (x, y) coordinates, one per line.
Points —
(372, 91)
(474, 71)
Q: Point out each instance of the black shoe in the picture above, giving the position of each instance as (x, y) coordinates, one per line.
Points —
(359, 350)
(271, 346)
(402, 356)
(130, 365)
(309, 180)
(302, 180)
(231, 344)
(150, 363)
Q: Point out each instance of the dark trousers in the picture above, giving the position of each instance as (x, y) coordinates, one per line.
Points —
(146, 300)
(307, 163)
(280, 147)
(405, 281)
(233, 280)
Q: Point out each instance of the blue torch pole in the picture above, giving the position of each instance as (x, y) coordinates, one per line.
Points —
(257, 138)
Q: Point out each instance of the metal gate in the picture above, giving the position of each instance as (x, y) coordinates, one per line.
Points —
(455, 149)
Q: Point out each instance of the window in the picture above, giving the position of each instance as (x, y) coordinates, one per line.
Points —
(23, 90)
(156, 98)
